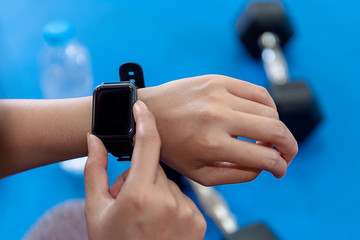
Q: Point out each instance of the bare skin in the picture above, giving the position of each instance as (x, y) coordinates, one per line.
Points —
(203, 118)
(142, 204)
(199, 120)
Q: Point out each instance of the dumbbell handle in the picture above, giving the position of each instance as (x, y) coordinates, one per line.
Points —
(215, 206)
(273, 60)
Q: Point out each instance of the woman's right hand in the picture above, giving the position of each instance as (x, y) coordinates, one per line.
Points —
(142, 204)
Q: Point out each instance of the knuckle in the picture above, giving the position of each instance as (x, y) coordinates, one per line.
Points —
(214, 81)
(170, 207)
(201, 224)
(214, 76)
(187, 214)
(210, 114)
(279, 132)
(295, 149)
(140, 202)
(263, 95)
(214, 98)
(272, 161)
(198, 224)
(173, 185)
(272, 113)
(209, 145)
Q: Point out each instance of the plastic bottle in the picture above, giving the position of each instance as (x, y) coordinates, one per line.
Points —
(65, 71)
(65, 63)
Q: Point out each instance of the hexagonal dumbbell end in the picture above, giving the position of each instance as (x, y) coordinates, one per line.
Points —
(261, 17)
(297, 107)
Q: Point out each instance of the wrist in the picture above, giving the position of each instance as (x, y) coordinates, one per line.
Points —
(144, 94)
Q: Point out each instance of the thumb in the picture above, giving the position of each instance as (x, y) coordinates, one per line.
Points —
(95, 175)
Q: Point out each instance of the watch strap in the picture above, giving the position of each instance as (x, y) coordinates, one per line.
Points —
(120, 149)
(132, 72)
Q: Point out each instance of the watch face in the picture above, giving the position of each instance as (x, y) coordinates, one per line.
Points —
(113, 111)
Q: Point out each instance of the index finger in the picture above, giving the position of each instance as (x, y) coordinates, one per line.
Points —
(146, 154)
(95, 175)
(266, 130)
(249, 91)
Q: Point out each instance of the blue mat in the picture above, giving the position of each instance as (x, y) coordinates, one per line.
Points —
(320, 195)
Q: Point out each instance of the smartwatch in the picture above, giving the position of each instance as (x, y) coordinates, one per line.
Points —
(112, 114)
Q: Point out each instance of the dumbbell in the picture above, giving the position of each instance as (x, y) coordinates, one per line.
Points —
(215, 207)
(264, 29)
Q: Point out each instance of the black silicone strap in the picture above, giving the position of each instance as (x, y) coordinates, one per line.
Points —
(132, 72)
(120, 149)
(128, 72)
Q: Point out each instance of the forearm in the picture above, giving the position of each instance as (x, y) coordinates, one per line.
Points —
(40, 132)
(199, 120)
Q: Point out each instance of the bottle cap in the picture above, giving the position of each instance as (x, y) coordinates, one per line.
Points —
(58, 32)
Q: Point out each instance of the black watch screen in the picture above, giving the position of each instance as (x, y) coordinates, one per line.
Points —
(113, 110)
(112, 114)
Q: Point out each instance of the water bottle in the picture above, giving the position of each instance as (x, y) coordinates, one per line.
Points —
(65, 72)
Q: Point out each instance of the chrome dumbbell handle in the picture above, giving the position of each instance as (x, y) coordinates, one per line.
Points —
(215, 206)
(273, 60)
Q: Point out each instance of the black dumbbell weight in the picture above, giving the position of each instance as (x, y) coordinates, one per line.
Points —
(264, 29)
(215, 206)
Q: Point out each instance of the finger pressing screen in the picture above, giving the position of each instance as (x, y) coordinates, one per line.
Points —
(95, 175)
(146, 154)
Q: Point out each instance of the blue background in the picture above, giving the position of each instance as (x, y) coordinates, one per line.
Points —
(319, 198)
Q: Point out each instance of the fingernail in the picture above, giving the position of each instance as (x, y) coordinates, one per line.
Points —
(139, 102)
